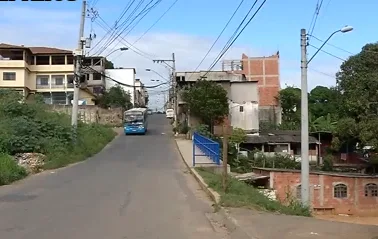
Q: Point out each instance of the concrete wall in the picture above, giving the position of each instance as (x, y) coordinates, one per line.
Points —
(94, 114)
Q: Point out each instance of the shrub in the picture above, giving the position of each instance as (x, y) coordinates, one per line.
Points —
(30, 127)
(9, 170)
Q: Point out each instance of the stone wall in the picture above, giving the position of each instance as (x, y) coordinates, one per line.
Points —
(93, 114)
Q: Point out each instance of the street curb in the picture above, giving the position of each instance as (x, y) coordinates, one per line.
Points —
(229, 222)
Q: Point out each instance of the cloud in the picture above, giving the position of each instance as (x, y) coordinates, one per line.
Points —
(59, 28)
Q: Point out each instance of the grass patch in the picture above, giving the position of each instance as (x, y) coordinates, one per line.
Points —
(91, 139)
(9, 170)
(239, 194)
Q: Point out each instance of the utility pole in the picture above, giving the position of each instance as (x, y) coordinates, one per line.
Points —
(305, 171)
(225, 154)
(173, 83)
(78, 55)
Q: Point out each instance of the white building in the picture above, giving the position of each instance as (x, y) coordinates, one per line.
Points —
(125, 76)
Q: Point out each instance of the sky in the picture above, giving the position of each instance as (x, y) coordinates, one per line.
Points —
(191, 27)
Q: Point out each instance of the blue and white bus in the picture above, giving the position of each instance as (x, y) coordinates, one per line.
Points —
(135, 121)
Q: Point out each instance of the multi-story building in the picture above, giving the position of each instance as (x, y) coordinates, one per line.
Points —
(141, 94)
(44, 70)
(265, 71)
(242, 95)
(126, 78)
(94, 72)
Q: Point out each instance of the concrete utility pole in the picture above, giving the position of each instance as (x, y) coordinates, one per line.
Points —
(225, 153)
(78, 55)
(173, 83)
(305, 163)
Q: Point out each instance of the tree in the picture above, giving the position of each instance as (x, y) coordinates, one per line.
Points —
(109, 64)
(290, 99)
(323, 101)
(358, 83)
(206, 100)
(115, 97)
(237, 137)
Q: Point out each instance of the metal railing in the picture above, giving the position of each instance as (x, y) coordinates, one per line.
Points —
(208, 148)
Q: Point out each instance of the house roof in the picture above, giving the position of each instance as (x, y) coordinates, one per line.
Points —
(278, 136)
(36, 50)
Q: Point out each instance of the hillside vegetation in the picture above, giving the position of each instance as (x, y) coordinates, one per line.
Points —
(28, 127)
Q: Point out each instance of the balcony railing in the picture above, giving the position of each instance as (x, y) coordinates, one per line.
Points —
(55, 86)
(39, 86)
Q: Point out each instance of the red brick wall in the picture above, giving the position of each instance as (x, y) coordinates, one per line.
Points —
(264, 70)
(322, 189)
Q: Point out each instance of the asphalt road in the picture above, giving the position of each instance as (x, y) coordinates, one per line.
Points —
(137, 187)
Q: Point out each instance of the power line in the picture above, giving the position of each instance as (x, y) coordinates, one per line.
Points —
(96, 14)
(326, 52)
(317, 10)
(249, 21)
(157, 21)
(143, 12)
(233, 35)
(220, 34)
(124, 84)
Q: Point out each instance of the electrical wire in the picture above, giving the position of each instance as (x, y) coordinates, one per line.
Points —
(143, 12)
(317, 11)
(157, 21)
(130, 46)
(237, 36)
(220, 34)
(117, 26)
(326, 52)
(123, 84)
(127, 7)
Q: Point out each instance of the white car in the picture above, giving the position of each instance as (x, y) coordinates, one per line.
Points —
(169, 113)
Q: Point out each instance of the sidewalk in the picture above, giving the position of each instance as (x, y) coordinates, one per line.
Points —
(261, 225)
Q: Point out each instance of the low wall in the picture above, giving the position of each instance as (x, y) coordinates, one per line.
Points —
(93, 114)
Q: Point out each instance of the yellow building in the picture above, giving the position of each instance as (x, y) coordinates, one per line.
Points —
(43, 70)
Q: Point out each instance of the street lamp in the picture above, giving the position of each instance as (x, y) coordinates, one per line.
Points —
(157, 73)
(305, 164)
(119, 49)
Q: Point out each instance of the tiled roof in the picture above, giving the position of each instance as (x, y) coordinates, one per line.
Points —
(37, 50)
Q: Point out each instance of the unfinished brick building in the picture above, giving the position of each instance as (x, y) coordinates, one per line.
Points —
(265, 71)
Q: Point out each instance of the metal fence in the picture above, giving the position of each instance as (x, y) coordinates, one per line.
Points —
(207, 147)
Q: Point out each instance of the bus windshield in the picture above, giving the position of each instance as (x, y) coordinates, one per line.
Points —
(134, 117)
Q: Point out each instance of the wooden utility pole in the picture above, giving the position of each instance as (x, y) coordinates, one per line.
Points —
(225, 153)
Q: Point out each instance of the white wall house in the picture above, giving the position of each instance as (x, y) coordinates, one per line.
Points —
(125, 76)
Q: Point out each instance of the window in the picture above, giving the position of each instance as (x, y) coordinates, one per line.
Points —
(43, 81)
(241, 109)
(58, 60)
(371, 190)
(42, 60)
(58, 80)
(97, 76)
(70, 60)
(299, 192)
(340, 191)
(9, 75)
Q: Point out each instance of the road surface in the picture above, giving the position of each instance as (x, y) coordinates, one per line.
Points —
(136, 188)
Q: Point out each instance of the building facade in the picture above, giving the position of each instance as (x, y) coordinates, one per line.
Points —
(242, 96)
(265, 71)
(43, 70)
(134, 87)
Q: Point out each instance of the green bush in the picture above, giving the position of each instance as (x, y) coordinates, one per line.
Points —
(9, 170)
(30, 127)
